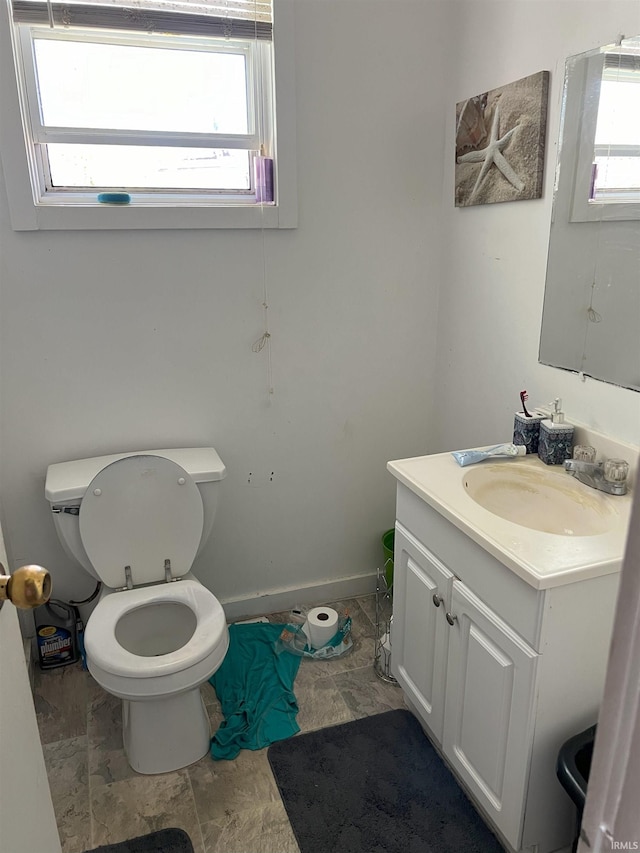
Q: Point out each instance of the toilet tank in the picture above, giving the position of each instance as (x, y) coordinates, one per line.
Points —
(67, 482)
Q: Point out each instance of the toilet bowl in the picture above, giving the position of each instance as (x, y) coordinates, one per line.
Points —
(137, 521)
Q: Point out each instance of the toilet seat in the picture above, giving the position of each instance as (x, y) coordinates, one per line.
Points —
(139, 512)
(104, 649)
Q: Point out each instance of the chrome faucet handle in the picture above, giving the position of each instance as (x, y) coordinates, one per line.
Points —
(584, 452)
(616, 470)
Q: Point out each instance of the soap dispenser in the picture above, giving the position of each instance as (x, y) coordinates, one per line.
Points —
(556, 437)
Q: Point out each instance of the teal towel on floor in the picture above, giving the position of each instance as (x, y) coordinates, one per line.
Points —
(255, 688)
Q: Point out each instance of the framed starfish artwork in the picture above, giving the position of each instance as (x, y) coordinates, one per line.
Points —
(500, 138)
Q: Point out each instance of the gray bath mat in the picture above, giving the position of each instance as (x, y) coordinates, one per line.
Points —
(375, 785)
(163, 841)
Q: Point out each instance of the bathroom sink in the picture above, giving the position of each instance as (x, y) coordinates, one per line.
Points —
(537, 520)
(540, 499)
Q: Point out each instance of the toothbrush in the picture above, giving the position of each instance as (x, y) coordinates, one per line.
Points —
(524, 396)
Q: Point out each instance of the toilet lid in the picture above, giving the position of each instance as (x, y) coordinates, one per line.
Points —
(139, 512)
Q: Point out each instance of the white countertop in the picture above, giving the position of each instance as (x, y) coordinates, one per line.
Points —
(543, 560)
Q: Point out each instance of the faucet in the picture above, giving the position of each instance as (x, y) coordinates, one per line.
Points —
(610, 478)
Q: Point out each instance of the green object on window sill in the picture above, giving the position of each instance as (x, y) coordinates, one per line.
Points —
(114, 198)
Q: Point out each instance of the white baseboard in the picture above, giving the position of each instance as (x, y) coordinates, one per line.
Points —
(279, 599)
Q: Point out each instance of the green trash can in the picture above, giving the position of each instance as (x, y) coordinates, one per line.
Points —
(388, 540)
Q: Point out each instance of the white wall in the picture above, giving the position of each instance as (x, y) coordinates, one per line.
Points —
(494, 273)
(114, 341)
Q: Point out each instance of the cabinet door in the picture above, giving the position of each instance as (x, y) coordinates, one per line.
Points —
(489, 710)
(420, 636)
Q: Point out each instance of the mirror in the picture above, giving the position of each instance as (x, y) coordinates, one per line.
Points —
(591, 315)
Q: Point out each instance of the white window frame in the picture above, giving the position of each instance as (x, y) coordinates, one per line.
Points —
(257, 57)
(31, 208)
(583, 208)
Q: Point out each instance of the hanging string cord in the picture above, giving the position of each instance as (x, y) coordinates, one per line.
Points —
(264, 341)
(260, 344)
(592, 314)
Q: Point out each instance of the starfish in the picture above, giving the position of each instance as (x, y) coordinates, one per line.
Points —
(493, 154)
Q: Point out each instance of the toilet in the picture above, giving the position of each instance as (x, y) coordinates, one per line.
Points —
(136, 521)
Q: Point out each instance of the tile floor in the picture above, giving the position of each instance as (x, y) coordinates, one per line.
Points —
(225, 806)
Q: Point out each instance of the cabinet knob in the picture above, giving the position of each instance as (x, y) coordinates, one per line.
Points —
(451, 619)
(437, 599)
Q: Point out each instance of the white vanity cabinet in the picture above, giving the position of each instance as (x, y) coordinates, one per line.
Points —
(499, 671)
(420, 638)
(488, 720)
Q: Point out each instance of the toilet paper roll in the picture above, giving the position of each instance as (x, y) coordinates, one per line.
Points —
(321, 626)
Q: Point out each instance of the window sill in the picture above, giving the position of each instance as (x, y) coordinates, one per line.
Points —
(48, 217)
(598, 211)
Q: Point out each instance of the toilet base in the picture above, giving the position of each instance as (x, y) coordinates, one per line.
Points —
(165, 734)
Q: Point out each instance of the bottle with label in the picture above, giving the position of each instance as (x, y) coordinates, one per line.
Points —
(556, 437)
(56, 634)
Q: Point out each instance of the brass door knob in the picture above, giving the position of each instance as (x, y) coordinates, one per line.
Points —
(27, 587)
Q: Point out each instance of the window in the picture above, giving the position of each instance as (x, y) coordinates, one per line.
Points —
(605, 134)
(617, 139)
(171, 102)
